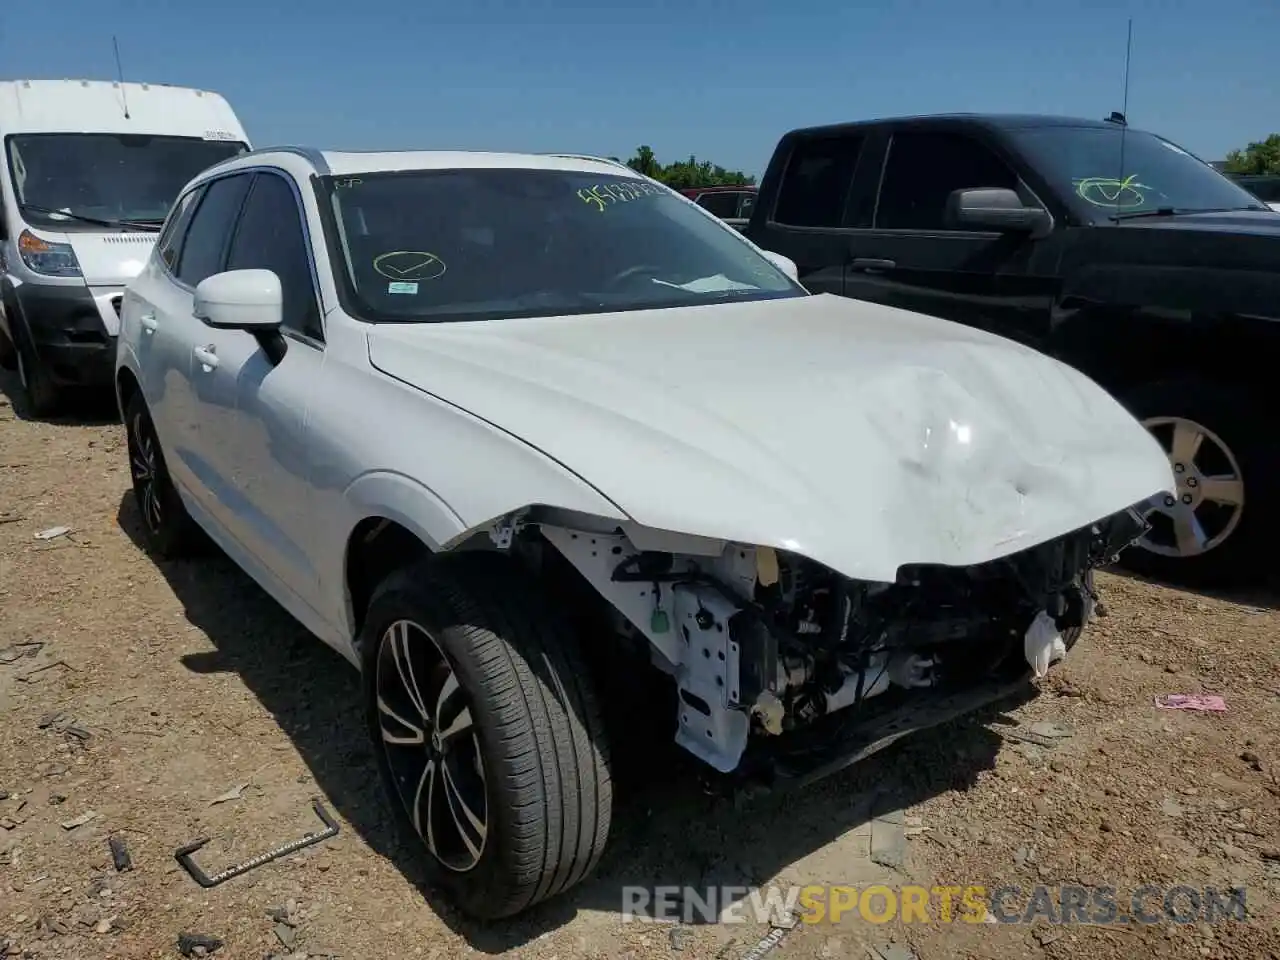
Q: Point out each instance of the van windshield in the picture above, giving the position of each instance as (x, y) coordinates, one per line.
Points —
(67, 179)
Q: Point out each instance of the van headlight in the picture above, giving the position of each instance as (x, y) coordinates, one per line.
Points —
(50, 259)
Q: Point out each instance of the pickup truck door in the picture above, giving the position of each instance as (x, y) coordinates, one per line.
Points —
(254, 412)
(909, 257)
(817, 188)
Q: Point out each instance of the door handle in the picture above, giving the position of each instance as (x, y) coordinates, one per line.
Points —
(871, 264)
(208, 359)
(148, 323)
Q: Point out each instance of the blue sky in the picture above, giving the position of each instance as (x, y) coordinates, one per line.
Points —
(716, 78)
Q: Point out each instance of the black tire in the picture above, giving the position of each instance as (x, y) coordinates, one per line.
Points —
(8, 353)
(42, 395)
(1232, 417)
(169, 530)
(545, 775)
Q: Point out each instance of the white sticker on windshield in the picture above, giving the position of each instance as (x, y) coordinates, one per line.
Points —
(1174, 147)
(402, 288)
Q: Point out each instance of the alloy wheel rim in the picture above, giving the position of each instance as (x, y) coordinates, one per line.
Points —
(1208, 500)
(432, 745)
(144, 467)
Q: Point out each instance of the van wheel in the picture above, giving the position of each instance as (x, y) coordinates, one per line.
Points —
(8, 353)
(487, 732)
(40, 392)
(169, 530)
(1217, 527)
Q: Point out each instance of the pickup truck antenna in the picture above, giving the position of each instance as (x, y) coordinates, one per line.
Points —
(124, 97)
(1123, 119)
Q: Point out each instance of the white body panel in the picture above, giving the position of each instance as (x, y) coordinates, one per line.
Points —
(859, 436)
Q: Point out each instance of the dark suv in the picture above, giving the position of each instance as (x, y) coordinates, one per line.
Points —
(1107, 247)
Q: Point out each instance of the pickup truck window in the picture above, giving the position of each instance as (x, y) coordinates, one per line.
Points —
(206, 241)
(269, 237)
(816, 183)
(722, 205)
(1083, 163)
(924, 168)
(431, 246)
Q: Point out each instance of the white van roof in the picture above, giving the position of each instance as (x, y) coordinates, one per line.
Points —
(100, 106)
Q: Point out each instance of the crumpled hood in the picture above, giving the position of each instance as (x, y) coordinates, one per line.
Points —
(860, 436)
(110, 259)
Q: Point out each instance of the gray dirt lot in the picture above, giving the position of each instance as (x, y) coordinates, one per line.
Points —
(166, 686)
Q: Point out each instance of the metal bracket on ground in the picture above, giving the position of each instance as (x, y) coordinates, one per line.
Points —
(186, 855)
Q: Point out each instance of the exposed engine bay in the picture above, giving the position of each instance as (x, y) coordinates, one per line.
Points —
(762, 643)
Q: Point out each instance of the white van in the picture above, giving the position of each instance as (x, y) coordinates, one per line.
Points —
(90, 169)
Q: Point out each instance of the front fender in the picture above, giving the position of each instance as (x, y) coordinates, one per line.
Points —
(413, 505)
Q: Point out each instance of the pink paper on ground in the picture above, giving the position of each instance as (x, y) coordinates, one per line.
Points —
(1192, 701)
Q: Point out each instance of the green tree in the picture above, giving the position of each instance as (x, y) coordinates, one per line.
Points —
(683, 174)
(1261, 156)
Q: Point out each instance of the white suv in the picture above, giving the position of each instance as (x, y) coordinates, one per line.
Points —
(499, 428)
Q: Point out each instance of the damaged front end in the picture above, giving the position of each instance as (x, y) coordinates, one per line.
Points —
(785, 668)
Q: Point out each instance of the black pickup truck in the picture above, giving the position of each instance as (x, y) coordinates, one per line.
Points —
(1109, 248)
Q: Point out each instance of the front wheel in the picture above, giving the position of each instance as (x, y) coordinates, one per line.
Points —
(1218, 525)
(487, 732)
(43, 396)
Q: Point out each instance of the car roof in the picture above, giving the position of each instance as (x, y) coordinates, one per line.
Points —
(720, 188)
(341, 163)
(991, 121)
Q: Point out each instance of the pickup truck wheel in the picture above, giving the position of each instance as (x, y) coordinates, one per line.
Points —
(1217, 526)
(170, 532)
(487, 732)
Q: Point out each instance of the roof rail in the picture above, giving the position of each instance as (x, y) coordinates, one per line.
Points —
(587, 156)
(310, 154)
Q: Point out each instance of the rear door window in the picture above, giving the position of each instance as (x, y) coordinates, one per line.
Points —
(816, 183)
(170, 242)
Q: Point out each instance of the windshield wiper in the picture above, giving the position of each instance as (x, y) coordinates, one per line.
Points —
(150, 225)
(1175, 211)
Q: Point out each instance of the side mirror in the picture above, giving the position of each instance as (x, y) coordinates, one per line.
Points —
(785, 264)
(248, 300)
(995, 208)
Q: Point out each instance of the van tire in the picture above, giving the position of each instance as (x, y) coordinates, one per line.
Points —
(43, 396)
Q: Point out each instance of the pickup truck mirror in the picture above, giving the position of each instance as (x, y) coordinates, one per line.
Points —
(995, 208)
(248, 300)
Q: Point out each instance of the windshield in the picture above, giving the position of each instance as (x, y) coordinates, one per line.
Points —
(1084, 163)
(471, 244)
(65, 179)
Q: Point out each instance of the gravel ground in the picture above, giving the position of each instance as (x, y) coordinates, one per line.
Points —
(161, 703)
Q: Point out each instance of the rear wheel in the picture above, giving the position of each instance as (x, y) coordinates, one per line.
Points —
(1218, 525)
(170, 532)
(487, 731)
